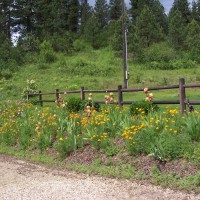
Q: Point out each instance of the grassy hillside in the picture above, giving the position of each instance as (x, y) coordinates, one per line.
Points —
(100, 69)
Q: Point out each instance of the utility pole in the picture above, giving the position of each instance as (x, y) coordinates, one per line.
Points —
(124, 42)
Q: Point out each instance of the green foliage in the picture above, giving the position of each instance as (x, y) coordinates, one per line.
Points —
(94, 105)
(74, 105)
(193, 40)
(47, 54)
(31, 87)
(182, 63)
(177, 30)
(192, 126)
(81, 45)
(165, 147)
(147, 29)
(142, 107)
(7, 74)
(159, 52)
(62, 42)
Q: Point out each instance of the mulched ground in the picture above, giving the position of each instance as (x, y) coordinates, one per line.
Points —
(88, 155)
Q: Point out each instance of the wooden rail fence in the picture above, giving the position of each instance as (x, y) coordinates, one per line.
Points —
(182, 101)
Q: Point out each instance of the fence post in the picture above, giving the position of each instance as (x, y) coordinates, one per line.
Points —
(82, 94)
(57, 95)
(27, 96)
(40, 98)
(182, 95)
(120, 95)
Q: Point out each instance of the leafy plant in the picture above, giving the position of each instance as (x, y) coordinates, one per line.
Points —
(142, 107)
(31, 87)
(47, 54)
(192, 126)
(74, 104)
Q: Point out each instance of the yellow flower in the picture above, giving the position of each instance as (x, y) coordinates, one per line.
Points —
(61, 139)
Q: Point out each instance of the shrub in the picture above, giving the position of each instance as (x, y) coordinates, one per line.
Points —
(74, 105)
(159, 52)
(80, 45)
(47, 54)
(96, 106)
(165, 147)
(7, 74)
(182, 63)
(30, 88)
(142, 107)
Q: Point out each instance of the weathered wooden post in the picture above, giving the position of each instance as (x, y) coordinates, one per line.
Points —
(82, 94)
(120, 95)
(182, 95)
(57, 95)
(40, 98)
(27, 96)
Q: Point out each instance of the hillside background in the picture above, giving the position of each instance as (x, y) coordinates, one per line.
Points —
(67, 44)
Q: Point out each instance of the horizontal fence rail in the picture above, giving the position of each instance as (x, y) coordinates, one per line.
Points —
(182, 101)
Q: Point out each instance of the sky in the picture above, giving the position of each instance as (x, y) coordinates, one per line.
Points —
(166, 3)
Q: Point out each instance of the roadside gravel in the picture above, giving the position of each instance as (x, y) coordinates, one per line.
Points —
(23, 180)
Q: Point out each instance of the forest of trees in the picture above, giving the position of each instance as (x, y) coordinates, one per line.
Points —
(73, 25)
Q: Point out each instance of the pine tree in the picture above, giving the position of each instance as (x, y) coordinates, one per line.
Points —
(155, 6)
(194, 12)
(177, 30)
(198, 10)
(85, 14)
(73, 19)
(115, 9)
(6, 20)
(24, 17)
(92, 32)
(183, 7)
(101, 13)
(147, 29)
(193, 39)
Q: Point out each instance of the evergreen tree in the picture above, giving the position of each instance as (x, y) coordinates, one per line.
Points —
(6, 20)
(183, 7)
(24, 17)
(177, 30)
(194, 13)
(101, 13)
(115, 34)
(147, 29)
(115, 9)
(85, 14)
(193, 39)
(198, 11)
(92, 32)
(73, 20)
(155, 6)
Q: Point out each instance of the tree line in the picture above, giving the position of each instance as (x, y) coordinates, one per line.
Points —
(73, 24)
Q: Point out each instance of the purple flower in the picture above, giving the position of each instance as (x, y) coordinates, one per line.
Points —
(191, 109)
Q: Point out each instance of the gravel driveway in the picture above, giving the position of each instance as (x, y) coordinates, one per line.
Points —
(21, 180)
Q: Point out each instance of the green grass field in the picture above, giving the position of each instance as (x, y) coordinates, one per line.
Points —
(99, 69)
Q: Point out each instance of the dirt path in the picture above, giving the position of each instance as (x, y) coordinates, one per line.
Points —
(21, 180)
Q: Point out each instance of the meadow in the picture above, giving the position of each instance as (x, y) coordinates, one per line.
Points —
(141, 142)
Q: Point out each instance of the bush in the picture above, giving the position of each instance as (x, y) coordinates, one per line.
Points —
(80, 45)
(159, 52)
(62, 42)
(74, 105)
(7, 74)
(165, 146)
(142, 107)
(47, 54)
(30, 88)
(182, 63)
(92, 104)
